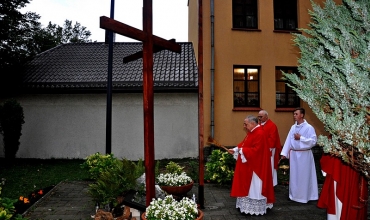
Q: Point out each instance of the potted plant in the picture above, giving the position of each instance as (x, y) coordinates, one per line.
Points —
(113, 178)
(169, 208)
(175, 181)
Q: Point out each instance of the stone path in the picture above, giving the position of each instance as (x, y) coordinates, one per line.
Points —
(69, 200)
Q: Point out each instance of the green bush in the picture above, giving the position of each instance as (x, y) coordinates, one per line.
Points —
(114, 181)
(11, 121)
(113, 177)
(173, 167)
(97, 163)
(220, 167)
(193, 170)
(156, 169)
(140, 168)
(7, 208)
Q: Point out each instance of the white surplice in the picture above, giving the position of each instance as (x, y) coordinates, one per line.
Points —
(302, 179)
(274, 171)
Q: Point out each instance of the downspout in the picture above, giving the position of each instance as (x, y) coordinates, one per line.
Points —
(212, 72)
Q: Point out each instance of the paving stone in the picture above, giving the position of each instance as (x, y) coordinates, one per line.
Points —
(69, 200)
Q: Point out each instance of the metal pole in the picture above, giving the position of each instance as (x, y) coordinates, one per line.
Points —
(200, 105)
(108, 147)
(212, 70)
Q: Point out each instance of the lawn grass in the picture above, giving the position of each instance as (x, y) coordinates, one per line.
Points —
(24, 176)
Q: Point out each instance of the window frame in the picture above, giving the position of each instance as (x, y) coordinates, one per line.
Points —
(285, 15)
(247, 83)
(245, 11)
(288, 92)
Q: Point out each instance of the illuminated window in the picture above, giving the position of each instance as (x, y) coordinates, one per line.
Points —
(285, 14)
(245, 14)
(286, 97)
(246, 86)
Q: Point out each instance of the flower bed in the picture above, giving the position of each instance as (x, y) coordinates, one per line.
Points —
(25, 202)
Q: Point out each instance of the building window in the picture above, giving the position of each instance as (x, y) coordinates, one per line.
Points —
(285, 14)
(246, 86)
(245, 14)
(286, 97)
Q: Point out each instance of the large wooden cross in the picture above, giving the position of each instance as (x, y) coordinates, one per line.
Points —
(151, 43)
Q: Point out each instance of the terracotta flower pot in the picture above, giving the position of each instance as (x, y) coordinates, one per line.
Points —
(178, 190)
(200, 215)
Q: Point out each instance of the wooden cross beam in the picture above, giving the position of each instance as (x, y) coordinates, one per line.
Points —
(137, 34)
(149, 42)
(139, 54)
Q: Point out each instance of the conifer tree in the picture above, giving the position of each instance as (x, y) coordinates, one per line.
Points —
(334, 77)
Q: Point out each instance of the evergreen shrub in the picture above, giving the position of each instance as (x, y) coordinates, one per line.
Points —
(11, 121)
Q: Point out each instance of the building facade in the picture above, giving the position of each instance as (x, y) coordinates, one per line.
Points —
(246, 46)
(64, 99)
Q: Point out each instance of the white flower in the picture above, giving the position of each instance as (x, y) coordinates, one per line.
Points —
(173, 179)
(168, 208)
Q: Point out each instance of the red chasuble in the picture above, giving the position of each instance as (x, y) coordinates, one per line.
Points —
(273, 140)
(257, 153)
(351, 189)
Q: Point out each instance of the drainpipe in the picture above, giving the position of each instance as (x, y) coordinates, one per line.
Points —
(212, 72)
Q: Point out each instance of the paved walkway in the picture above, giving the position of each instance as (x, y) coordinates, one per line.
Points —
(69, 200)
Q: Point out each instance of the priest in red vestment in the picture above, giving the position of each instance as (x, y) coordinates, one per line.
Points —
(345, 191)
(273, 141)
(252, 182)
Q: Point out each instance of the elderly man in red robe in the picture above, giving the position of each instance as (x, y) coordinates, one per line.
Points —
(252, 182)
(273, 140)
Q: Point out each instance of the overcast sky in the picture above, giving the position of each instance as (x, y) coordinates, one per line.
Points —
(170, 17)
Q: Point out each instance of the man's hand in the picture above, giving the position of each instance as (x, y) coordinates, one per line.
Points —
(231, 151)
(297, 136)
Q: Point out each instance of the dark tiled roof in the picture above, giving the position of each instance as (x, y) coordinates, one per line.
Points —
(84, 67)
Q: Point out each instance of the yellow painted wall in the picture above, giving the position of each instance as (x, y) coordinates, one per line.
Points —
(264, 48)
